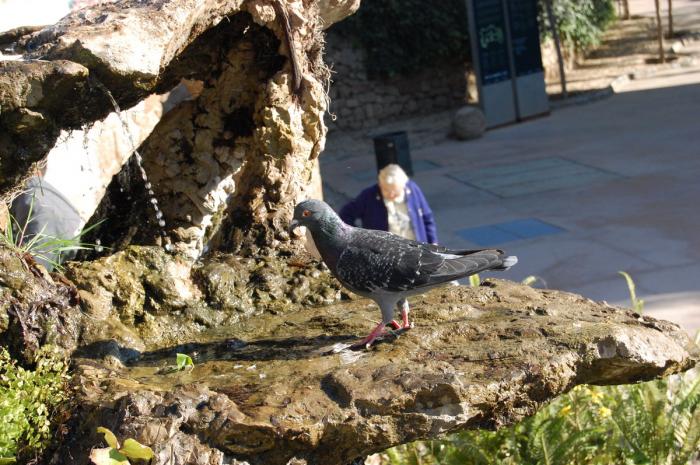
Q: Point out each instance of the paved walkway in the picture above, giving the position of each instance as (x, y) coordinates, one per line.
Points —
(578, 195)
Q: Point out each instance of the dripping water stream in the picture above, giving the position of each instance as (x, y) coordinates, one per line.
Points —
(139, 161)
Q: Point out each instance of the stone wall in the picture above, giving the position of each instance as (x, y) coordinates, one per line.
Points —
(359, 102)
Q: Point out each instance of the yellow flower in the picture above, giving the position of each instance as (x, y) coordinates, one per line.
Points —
(604, 412)
(565, 410)
(596, 396)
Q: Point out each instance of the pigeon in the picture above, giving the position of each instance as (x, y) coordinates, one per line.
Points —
(385, 267)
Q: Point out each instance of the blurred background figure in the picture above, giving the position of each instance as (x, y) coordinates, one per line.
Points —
(395, 204)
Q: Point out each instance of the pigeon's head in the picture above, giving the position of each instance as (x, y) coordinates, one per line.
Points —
(311, 213)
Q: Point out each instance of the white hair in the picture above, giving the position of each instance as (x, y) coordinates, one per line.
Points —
(393, 175)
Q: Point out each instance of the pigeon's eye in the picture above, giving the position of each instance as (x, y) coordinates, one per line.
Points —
(305, 213)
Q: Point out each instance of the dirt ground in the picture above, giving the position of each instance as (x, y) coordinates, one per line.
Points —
(628, 48)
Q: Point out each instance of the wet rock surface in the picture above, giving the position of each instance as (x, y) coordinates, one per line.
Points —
(36, 308)
(144, 298)
(282, 387)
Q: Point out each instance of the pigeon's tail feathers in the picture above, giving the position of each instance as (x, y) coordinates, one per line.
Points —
(507, 263)
(475, 261)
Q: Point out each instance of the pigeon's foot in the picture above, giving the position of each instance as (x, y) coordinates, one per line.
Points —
(405, 325)
(377, 332)
(380, 331)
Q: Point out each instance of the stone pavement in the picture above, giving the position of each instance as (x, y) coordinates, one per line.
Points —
(577, 196)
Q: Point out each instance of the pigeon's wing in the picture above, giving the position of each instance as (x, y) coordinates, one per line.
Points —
(466, 263)
(375, 260)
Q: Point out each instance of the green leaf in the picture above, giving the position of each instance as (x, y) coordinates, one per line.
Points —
(184, 360)
(7, 460)
(135, 450)
(474, 280)
(110, 438)
(108, 456)
(637, 304)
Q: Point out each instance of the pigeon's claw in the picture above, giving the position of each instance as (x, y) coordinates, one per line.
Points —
(376, 332)
(395, 324)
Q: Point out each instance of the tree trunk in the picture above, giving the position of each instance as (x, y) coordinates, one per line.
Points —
(660, 32)
(557, 45)
(670, 19)
(625, 9)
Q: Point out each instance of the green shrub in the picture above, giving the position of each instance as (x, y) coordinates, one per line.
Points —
(581, 23)
(655, 423)
(401, 37)
(28, 402)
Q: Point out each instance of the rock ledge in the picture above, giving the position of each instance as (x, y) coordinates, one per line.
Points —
(279, 389)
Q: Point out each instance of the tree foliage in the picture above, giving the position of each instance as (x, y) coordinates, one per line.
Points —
(581, 23)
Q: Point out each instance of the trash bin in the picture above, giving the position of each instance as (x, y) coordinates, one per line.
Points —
(392, 147)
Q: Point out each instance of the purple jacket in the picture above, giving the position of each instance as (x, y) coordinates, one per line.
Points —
(369, 207)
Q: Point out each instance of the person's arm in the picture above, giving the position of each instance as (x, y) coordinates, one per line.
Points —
(427, 217)
(353, 210)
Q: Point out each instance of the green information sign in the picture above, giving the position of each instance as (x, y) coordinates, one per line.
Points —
(491, 40)
(525, 36)
(505, 43)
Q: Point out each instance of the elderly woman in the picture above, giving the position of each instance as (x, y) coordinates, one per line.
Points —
(395, 204)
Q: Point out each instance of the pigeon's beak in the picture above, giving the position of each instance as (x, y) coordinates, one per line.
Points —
(293, 225)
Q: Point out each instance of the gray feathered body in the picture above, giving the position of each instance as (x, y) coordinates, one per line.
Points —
(370, 262)
(385, 267)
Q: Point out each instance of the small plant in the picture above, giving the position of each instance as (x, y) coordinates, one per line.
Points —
(116, 455)
(474, 280)
(29, 401)
(637, 303)
(532, 280)
(184, 361)
(41, 246)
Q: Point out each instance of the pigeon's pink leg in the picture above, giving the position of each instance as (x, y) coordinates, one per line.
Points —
(376, 332)
(404, 316)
